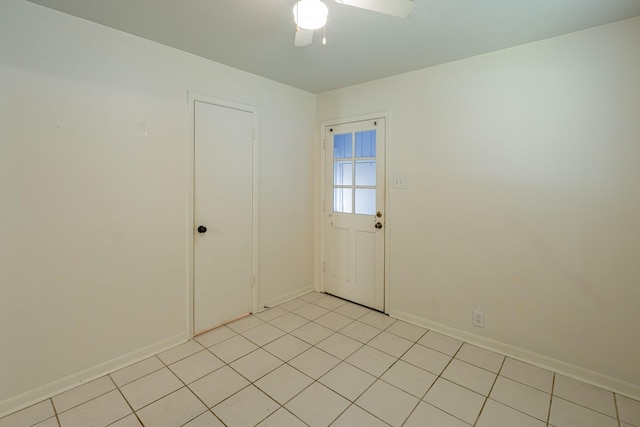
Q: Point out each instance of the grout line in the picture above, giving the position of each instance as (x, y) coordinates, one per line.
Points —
(495, 380)
(615, 404)
(130, 407)
(553, 385)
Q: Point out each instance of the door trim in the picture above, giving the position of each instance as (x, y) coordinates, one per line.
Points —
(324, 203)
(192, 98)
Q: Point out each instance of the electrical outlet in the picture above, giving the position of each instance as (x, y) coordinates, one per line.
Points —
(478, 318)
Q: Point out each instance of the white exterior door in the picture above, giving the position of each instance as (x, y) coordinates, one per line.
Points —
(354, 212)
(223, 215)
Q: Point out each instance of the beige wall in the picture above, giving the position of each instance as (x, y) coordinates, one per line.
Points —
(522, 198)
(93, 213)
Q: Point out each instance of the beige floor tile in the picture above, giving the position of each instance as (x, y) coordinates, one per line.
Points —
(527, 374)
(233, 348)
(173, 410)
(283, 383)
(150, 388)
(495, 414)
(289, 322)
(377, 320)
(360, 332)
(215, 336)
(455, 400)
(567, 414)
(282, 418)
(137, 370)
(387, 402)
(180, 352)
(244, 324)
(352, 352)
(629, 410)
(263, 334)
(53, 422)
(426, 415)
(218, 385)
(480, 357)
(371, 360)
(584, 394)
(525, 399)
(82, 393)
(310, 311)
(353, 311)
(256, 364)
(196, 366)
(311, 296)
(391, 344)
(347, 380)
(355, 416)
(293, 304)
(339, 345)
(287, 347)
(98, 412)
(426, 358)
(128, 421)
(271, 313)
(333, 321)
(442, 343)
(317, 405)
(246, 408)
(329, 302)
(205, 420)
(410, 378)
(470, 376)
(314, 362)
(29, 416)
(312, 333)
(406, 330)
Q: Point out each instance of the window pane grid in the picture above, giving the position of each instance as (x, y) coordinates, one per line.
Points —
(354, 172)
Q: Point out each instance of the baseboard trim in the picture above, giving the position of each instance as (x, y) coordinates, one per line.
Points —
(284, 298)
(46, 391)
(591, 377)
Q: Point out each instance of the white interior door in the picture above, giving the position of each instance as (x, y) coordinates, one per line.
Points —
(223, 215)
(354, 212)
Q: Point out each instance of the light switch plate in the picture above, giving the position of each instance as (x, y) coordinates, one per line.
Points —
(398, 182)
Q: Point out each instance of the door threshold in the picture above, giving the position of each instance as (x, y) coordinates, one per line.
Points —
(356, 303)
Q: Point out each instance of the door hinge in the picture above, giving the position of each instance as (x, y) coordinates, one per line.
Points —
(253, 134)
(324, 144)
(253, 281)
(324, 206)
(324, 266)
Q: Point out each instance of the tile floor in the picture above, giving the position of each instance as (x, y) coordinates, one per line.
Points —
(319, 361)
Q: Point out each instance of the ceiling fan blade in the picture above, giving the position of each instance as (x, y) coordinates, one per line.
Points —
(399, 8)
(303, 37)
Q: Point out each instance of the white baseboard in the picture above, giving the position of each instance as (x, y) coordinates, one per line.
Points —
(286, 297)
(558, 366)
(56, 387)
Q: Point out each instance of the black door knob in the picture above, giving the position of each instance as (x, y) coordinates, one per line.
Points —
(202, 229)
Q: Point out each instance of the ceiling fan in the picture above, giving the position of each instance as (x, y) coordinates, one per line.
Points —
(310, 15)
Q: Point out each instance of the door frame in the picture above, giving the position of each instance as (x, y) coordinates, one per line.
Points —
(192, 98)
(324, 204)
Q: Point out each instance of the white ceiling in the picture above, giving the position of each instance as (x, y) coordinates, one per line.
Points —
(257, 35)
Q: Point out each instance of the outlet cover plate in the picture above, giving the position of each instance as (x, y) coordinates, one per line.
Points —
(478, 318)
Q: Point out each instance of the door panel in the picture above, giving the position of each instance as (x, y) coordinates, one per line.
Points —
(223, 193)
(354, 246)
